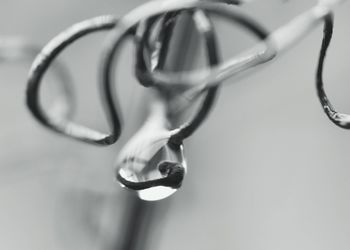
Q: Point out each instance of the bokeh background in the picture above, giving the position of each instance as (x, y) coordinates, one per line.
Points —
(267, 170)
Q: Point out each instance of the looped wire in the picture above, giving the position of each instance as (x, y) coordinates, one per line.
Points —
(153, 10)
(172, 172)
(41, 65)
(152, 43)
(121, 29)
(205, 28)
(150, 58)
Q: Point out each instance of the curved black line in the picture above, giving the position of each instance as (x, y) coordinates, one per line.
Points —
(339, 119)
(175, 173)
(41, 65)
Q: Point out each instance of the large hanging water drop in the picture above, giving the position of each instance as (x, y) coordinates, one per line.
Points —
(149, 163)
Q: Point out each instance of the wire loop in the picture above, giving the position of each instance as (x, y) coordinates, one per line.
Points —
(121, 29)
(39, 68)
(141, 166)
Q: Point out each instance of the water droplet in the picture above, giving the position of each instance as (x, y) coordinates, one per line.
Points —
(150, 163)
(157, 176)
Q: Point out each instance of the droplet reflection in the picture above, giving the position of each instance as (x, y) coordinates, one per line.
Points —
(156, 178)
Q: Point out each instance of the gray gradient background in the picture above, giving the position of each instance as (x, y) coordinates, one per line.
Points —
(267, 171)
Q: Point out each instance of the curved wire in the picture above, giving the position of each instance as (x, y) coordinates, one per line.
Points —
(175, 176)
(143, 44)
(14, 49)
(139, 156)
(153, 9)
(205, 26)
(203, 78)
(165, 34)
(39, 68)
(206, 29)
(340, 119)
(173, 172)
(277, 42)
(127, 25)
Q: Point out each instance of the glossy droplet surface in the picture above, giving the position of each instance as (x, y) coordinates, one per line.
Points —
(157, 177)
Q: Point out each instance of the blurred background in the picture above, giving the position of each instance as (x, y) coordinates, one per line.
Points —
(266, 171)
